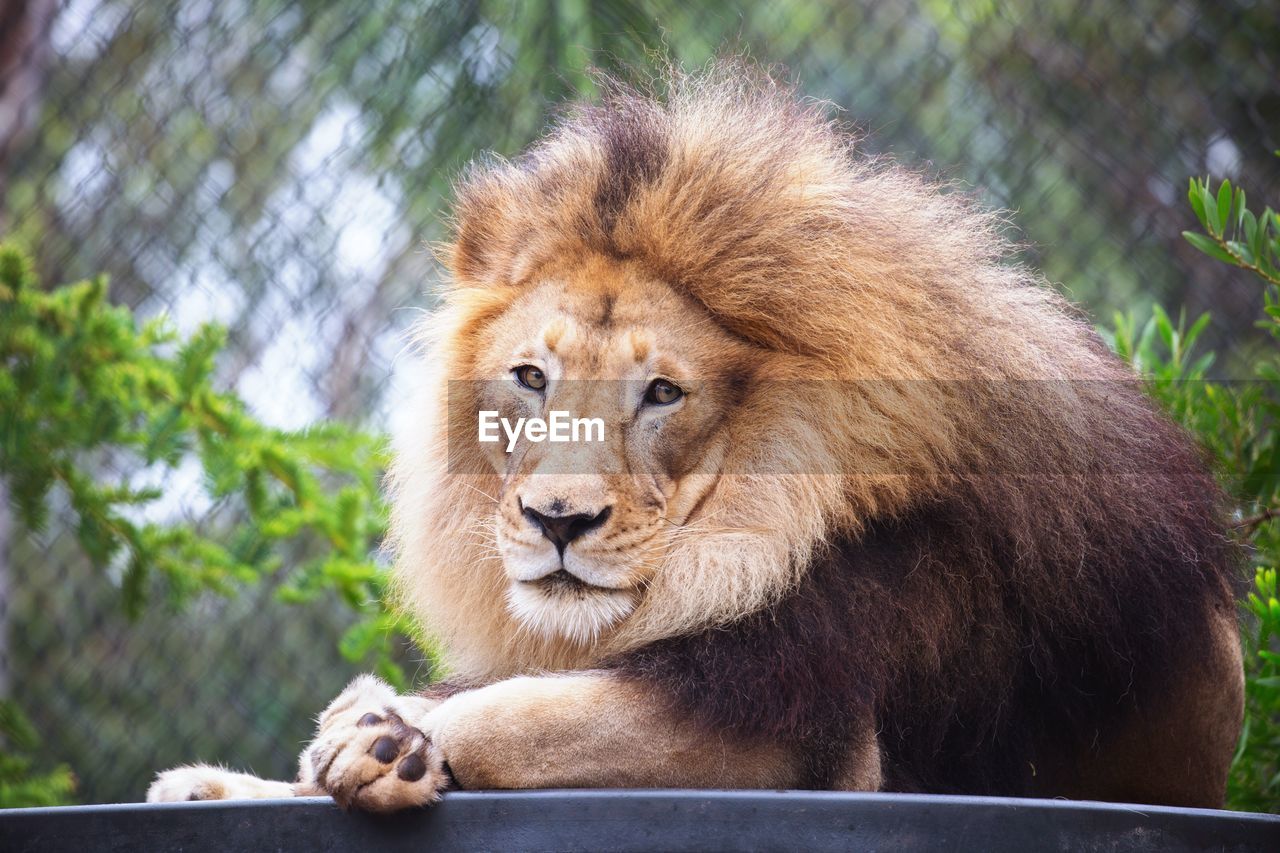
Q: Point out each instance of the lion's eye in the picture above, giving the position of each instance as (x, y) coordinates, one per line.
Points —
(531, 377)
(661, 392)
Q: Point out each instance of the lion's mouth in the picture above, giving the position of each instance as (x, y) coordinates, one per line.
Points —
(563, 581)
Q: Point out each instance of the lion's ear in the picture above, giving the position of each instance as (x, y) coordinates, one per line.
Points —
(485, 231)
(511, 217)
(501, 233)
(507, 222)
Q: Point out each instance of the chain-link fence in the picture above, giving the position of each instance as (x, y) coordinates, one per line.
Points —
(276, 166)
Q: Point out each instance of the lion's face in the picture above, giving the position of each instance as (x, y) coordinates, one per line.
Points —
(582, 525)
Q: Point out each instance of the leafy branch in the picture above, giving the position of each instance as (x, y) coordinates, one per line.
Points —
(21, 785)
(1248, 525)
(86, 392)
(1234, 234)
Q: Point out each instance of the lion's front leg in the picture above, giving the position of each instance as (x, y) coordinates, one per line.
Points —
(371, 751)
(594, 730)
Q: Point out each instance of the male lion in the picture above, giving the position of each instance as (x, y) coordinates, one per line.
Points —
(874, 508)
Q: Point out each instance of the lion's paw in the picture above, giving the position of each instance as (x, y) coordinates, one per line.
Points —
(202, 782)
(368, 755)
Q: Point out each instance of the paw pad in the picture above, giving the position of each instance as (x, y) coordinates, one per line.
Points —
(385, 749)
(412, 768)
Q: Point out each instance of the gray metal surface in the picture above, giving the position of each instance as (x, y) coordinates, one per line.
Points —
(644, 821)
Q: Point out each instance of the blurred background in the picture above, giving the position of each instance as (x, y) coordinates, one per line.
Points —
(276, 166)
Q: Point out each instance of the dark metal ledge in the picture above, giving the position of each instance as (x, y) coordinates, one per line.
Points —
(644, 821)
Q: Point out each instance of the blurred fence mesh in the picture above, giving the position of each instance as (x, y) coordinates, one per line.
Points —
(277, 165)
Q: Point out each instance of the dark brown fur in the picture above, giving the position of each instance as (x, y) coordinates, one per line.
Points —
(635, 152)
(991, 635)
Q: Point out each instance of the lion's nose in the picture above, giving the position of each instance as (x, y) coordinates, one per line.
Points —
(563, 529)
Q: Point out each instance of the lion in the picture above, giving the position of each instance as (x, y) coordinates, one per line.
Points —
(874, 509)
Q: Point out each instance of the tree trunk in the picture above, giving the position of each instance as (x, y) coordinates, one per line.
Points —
(24, 54)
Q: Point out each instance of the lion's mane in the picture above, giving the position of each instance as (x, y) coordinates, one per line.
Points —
(1016, 537)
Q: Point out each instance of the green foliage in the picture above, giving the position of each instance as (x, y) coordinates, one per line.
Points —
(21, 784)
(85, 392)
(1235, 234)
(1255, 776)
(1236, 422)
